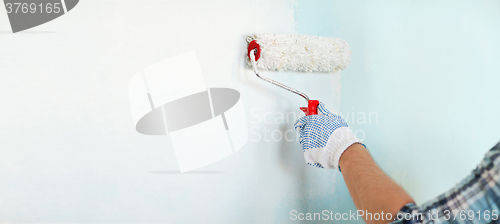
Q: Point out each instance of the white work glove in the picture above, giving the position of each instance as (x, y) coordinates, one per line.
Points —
(324, 137)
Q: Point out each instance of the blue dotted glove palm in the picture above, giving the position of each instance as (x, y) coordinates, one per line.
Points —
(324, 137)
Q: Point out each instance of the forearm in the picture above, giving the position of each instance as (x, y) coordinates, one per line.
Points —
(370, 188)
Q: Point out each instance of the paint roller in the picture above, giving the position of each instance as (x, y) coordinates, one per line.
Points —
(288, 52)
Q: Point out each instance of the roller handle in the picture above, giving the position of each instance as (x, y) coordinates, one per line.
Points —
(312, 108)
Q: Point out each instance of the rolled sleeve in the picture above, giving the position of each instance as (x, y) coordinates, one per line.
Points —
(475, 199)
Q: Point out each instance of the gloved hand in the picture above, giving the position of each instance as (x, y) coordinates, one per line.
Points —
(324, 137)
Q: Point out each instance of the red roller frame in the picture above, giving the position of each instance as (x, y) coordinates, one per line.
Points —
(312, 107)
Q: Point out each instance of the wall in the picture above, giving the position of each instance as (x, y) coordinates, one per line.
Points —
(429, 70)
(69, 151)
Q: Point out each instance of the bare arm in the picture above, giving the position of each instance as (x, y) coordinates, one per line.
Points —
(371, 189)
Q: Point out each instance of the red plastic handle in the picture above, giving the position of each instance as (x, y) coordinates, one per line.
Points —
(312, 108)
(254, 45)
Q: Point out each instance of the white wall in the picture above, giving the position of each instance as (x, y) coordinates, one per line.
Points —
(69, 151)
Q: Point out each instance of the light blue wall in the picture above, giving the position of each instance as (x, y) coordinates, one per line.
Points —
(431, 72)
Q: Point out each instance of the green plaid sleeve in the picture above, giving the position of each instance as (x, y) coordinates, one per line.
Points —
(476, 199)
